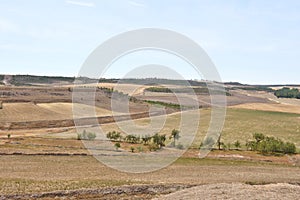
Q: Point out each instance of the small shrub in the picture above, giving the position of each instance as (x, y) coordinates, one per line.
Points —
(91, 136)
(117, 146)
(86, 136)
(1, 105)
(132, 149)
(237, 144)
(8, 136)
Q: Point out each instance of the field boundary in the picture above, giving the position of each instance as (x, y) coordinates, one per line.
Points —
(79, 122)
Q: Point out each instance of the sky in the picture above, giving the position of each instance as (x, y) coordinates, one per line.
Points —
(249, 41)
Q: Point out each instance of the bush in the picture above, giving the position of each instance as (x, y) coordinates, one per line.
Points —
(289, 148)
(1, 105)
(132, 149)
(251, 145)
(258, 137)
(266, 145)
(287, 93)
(132, 139)
(146, 139)
(159, 140)
(237, 144)
(91, 136)
(8, 136)
(86, 136)
(117, 145)
(115, 136)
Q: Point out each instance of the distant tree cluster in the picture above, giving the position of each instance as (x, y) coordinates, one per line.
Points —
(266, 144)
(154, 142)
(196, 90)
(287, 93)
(159, 89)
(261, 143)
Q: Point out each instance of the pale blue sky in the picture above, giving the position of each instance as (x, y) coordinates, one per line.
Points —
(251, 41)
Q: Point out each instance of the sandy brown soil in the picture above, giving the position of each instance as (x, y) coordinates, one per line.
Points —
(237, 191)
(38, 174)
(276, 107)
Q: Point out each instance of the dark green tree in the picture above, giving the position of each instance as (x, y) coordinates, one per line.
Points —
(175, 135)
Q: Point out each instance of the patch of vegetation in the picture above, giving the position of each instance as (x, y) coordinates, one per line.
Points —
(25, 79)
(132, 149)
(270, 145)
(159, 89)
(117, 146)
(114, 136)
(196, 90)
(86, 136)
(253, 88)
(257, 183)
(159, 140)
(175, 136)
(169, 105)
(132, 139)
(154, 142)
(159, 81)
(287, 93)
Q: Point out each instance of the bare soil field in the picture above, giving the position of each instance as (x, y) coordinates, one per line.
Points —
(237, 191)
(18, 112)
(36, 174)
(276, 107)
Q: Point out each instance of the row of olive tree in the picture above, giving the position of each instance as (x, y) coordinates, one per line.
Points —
(154, 142)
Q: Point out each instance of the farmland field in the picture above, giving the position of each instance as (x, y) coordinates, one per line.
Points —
(45, 111)
(51, 162)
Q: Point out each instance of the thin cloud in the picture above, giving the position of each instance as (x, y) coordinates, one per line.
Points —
(133, 3)
(7, 26)
(80, 3)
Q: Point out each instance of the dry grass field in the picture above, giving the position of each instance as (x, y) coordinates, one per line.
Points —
(36, 174)
(20, 112)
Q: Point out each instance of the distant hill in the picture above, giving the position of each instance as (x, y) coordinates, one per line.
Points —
(27, 80)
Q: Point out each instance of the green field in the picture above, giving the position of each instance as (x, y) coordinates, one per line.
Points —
(240, 124)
